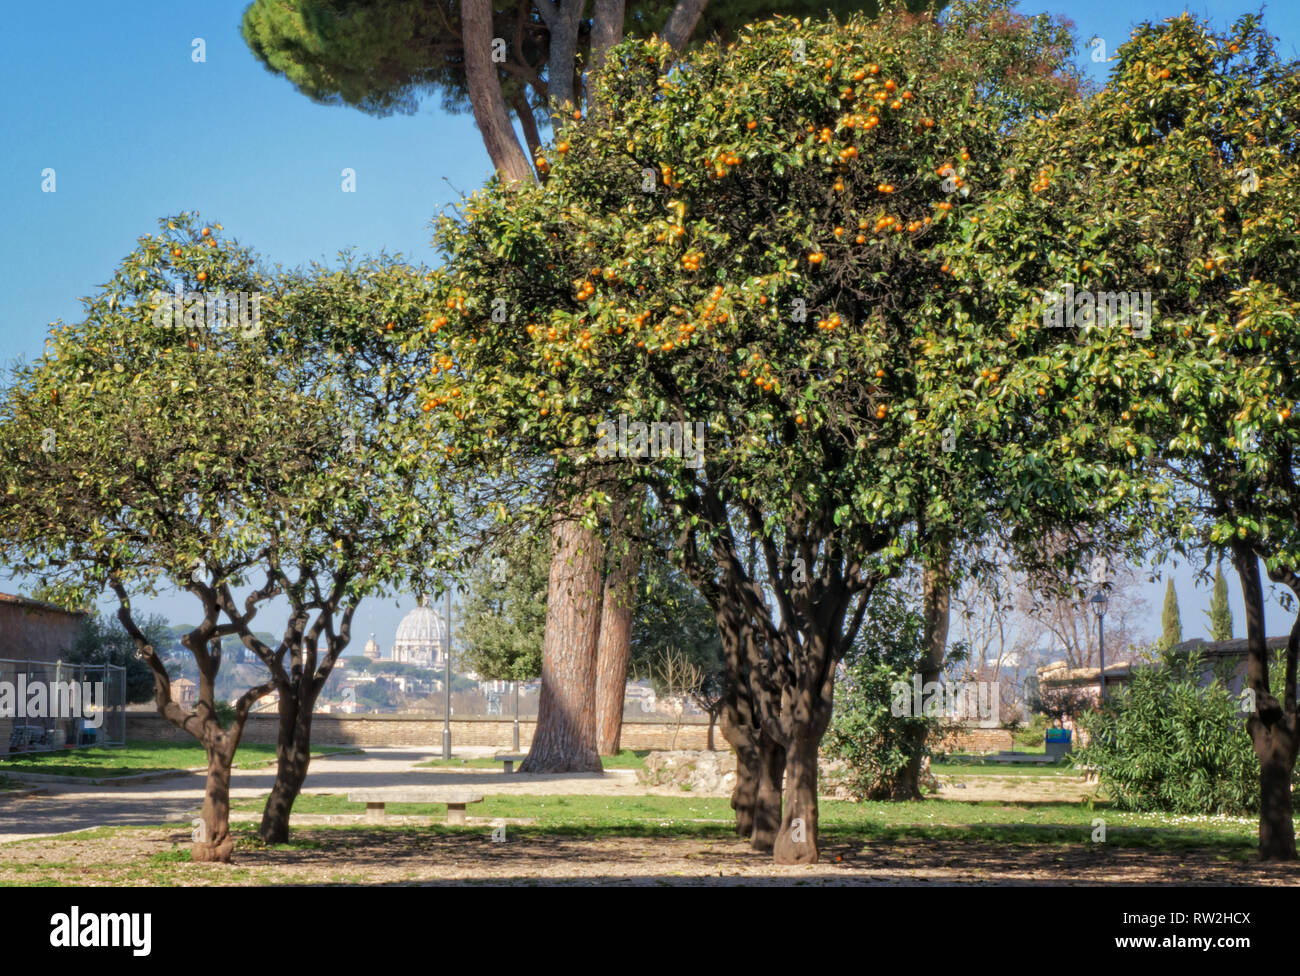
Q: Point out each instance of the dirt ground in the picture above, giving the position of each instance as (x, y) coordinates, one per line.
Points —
(403, 857)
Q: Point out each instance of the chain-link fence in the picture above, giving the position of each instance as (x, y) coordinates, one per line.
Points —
(54, 705)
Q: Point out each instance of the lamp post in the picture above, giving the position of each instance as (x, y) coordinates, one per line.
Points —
(446, 691)
(1099, 608)
(515, 740)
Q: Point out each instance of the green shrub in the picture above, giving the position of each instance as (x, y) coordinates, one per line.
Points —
(1163, 743)
(874, 743)
(1033, 731)
(225, 713)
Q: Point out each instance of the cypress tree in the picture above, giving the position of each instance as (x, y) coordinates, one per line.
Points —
(1220, 613)
(1171, 619)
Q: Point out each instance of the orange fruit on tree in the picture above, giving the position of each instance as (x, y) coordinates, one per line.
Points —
(202, 276)
(205, 232)
(751, 125)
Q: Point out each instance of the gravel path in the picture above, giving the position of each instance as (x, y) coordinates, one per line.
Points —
(67, 808)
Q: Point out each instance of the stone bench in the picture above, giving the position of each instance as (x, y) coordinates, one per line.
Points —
(510, 758)
(376, 800)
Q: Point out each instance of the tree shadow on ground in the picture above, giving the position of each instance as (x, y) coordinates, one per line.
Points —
(610, 856)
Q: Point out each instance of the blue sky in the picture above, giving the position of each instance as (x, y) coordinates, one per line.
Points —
(107, 95)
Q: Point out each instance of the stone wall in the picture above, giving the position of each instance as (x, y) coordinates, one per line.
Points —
(973, 740)
(419, 730)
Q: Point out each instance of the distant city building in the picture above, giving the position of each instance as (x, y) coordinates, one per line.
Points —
(422, 638)
(372, 649)
(185, 692)
(34, 631)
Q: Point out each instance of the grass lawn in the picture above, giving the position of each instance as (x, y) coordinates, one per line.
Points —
(843, 820)
(135, 757)
(627, 759)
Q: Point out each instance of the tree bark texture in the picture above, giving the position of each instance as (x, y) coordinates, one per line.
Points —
(565, 739)
(1272, 726)
(488, 103)
(619, 602)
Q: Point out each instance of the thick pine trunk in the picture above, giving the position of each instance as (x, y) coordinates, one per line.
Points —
(293, 757)
(615, 646)
(212, 840)
(563, 19)
(565, 739)
(486, 99)
(797, 841)
(681, 22)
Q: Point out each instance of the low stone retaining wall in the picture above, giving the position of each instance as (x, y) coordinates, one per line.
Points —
(421, 730)
(714, 773)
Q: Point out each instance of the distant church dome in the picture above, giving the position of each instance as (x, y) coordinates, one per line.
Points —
(421, 637)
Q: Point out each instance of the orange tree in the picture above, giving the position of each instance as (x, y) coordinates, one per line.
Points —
(262, 453)
(758, 246)
(1177, 180)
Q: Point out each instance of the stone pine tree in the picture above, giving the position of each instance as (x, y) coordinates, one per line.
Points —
(1220, 613)
(497, 58)
(1170, 619)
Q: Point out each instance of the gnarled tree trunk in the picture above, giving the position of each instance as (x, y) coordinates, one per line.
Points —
(292, 757)
(1272, 726)
(212, 840)
(768, 796)
(796, 842)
